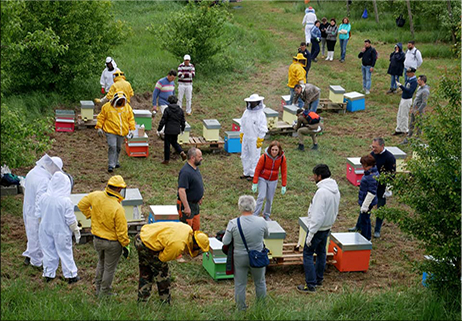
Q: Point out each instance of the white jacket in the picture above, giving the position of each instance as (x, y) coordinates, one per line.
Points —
(253, 123)
(323, 209)
(309, 19)
(107, 79)
(413, 58)
(36, 185)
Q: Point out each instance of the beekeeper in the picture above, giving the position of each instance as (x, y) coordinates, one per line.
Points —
(253, 131)
(120, 84)
(35, 186)
(58, 222)
(116, 121)
(107, 78)
(308, 21)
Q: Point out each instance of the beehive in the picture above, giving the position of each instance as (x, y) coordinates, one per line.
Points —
(86, 109)
(214, 261)
(274, 241)
(137, 146)
(64, 120)
(352, 251)
(184, 138)
(399, 156)
(354, 170)
(303, 222)
(236, 124)
(290, 114)
(336, 94)
(355, 101)
(211, 129)
(271, 118)
(143, 117)
(233, 142)
(163, 213)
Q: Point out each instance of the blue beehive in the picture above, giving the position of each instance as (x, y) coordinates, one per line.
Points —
(232, 142)
(355, 101)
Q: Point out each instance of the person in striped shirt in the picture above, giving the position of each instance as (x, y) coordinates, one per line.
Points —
(165, 87)
(186, 73)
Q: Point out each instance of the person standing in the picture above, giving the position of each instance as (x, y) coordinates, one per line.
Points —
(402, 118)
(323, 29)
(58, 222)
(331, 39)
(315, 40)
(308, 124)
(418, 108)
(157, 244)
(344, 36)
(396, 67)
(120, 84)
(322, 214)
(253, 130)
(367, 196)
(368, 57)
(109, 229)
(35, 186)
(308, 22)
(173, 120)
(190, 189)
(254, 229)
(186, 73)
(116, 120)
(107, 76)
(265, 179)
(307, 56)
(310, 96)
(413, 57)
(297, 75)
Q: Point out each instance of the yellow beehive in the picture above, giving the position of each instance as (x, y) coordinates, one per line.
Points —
(275, 239)
(289, 114)
(211, 129)
(86, 109)
(399, 156)
(271, 118)
(184, 138)
(336, 94)
(303, 222)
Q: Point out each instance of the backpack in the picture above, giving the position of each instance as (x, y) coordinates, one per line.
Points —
(400, 21)
(364, 16)
(312, 117)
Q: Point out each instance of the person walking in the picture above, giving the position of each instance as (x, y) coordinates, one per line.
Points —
(344, 36)
(302, 49)
(165, 87)
(116, 120)
(254, 229)
(173, 120)
(120, 84)
(265, 179)
(367, 196)
(368, 56)
(308, 124)
(418, 108)
(58, 222)
(331, 38)
(186, 73)
(190, 189)
(322, 214)
(109, 229)
(308, 22)
(396, 67)
(159, 243)
(36, 185)
(402, 118)
(413, 57)
(107, 76)
(315, 40)
(296, 76)
(310, 96)
(323, 29)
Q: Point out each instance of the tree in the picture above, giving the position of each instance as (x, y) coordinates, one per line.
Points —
(432, 189)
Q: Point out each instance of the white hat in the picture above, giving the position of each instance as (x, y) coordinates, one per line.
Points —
(108, 60)
(187, 57)
(58, 162)
(254, 97)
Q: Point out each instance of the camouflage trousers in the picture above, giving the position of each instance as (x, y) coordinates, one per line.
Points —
(151, 269)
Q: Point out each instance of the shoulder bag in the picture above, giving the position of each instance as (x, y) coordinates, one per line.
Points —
(257, 259)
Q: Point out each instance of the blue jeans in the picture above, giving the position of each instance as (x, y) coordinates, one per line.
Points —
(300, 101)
(315, 273)
(394, 79)
(314, 48)
(365, 225)
(378, 221)
(314, 105)
(367, 75)
(343, 45)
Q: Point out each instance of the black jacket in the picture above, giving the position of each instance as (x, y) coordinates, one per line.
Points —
(323, 28)
(173, 120)
(307, 55)
(369, 56)
(396, 66)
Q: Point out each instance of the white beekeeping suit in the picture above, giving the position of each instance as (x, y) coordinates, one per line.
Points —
(253, 131)
(36, 184)
(58, 221)
(308, 21)
(107, 79)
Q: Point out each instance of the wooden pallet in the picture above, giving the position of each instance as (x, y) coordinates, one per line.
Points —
(201, 142)
(82, 124)
(326, 105)
(291, 255)
(281, 128)
(134, 228)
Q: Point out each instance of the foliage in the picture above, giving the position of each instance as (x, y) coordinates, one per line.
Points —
(48, 45)
(432, 189)
(196, 29)
(22, 140)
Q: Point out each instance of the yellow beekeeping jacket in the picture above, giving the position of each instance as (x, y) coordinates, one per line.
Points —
(120, 84)
(296, 73)
(116, 120)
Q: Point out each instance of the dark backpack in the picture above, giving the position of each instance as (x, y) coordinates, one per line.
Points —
(400, 21)
(9, 179)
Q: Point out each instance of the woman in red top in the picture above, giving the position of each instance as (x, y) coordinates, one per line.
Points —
(265, 178)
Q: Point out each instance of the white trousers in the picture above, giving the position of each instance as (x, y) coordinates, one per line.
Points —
(185, 90)
(402, 118)
(308, 33)
(33, 250)
(56, 247)
(249, 155)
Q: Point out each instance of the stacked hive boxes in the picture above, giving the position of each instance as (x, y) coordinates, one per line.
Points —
(163, 213)
(289, 114)
(271, 118)
(336, 94)
(143, 117)
(274, 241)
(214, 261)
(137, 146)
(211, 129)
(86, 110)
(64, 120)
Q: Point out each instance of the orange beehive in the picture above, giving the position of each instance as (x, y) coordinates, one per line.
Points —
(351, 251)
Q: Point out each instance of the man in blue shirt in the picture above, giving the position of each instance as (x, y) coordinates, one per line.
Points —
(402, 118)
(165, 87)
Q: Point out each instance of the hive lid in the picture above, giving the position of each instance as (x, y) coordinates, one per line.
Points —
(143, 138)
(275, 230)
(163, 209)
(285, 97)
(216, 247)
(132, 197)
(291, 109)
(354, 161)
(187, 127)
(87, 104)
(354, 95)
(219, 260)
(232, 134)
(398, 153)
(64, 113)
(211, 123)
(270, 112)
(237, 121)
(303, 222)
(64, 120)
(142, 113)
(351, 241)
(336, 89)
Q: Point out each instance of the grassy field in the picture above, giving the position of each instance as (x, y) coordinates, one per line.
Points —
(266, 36)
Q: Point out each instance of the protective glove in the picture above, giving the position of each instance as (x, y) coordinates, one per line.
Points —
(260, 142)
(100, 132)
(398, 84)
(126, 251)
(102, 90)
(308, 239)
(367, 201)
(283, 190)
(75, 229)
(131, 134)
(241, 135)
(388, 193)
(317, 39)
(254, 188)
(97, 100)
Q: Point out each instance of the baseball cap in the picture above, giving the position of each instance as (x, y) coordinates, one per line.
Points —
(410, 69)
(187, 57)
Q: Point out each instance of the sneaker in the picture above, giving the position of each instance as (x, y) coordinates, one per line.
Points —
(390, 91)
(367, 92)
(300, 147)
(107, 294)
(267, 218)
(315, 147)
(397, 133)
(342, 60)
(189, 114)
(249, 178)
(306, 289)
(404, 142)
(353, 229)
(319, 284)
(376, 235)
(27, 261)
(165, 162)
(73, 280)
(110, 169)
(117, 166)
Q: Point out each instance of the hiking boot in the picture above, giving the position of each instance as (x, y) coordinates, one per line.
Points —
(315, 147)
(73, 280)
(165, 162)
(342, 60)
(319, 284)
(301, 147)
(353, 229)
(183, 156)
(306, 289)
(397, 133)
(117, 166)
(110, 169)
(376, 235)
(27, 261)
(391, 91)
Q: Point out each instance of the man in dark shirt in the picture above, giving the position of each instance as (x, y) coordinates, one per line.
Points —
(386, 163)
(190, 190)
(368, 57)
(307, 55)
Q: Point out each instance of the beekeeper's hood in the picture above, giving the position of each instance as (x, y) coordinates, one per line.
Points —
(59, 185)
(310, 9)
(300, 58)
(117, 181)
(110, 60)
(118, 75)
(255, 102)
(118, 96)
(51, 164)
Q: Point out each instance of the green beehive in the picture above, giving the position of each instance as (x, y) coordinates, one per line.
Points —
(143, 117)
(214, 261)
